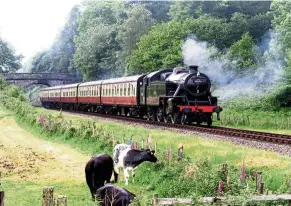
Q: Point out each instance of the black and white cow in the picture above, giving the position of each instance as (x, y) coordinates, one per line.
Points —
(98, 170)
(110, 195)
(129, 159)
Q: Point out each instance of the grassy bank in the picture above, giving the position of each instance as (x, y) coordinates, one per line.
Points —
(198, 175)
(256, 113)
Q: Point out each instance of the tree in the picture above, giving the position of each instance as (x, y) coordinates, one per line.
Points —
(282, 23)
(161, 47)
(9, 61)
(138, 22)
(243, 51)
(158, 9)
(59, 58)
(219, 9)
(96, 43)
(63, 48)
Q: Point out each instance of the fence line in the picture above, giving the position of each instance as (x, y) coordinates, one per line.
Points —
(49, 200)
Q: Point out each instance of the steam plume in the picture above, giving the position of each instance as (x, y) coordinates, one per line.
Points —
(222, 72)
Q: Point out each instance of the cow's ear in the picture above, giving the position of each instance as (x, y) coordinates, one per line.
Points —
(153, 151)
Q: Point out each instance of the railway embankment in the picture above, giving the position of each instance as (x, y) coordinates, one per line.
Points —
(198, 174)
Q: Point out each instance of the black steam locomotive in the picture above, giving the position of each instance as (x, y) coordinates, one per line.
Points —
(183, 96)
(180, 95)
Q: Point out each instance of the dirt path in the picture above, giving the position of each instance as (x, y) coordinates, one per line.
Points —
(26, 157)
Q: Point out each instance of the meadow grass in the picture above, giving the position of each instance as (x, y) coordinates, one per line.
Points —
(266, 121)
(217, 152)
(26, 193)
(177, 179)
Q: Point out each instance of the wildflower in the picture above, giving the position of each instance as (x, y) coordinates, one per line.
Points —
(220, 187)
(169, 153)
(243, 172)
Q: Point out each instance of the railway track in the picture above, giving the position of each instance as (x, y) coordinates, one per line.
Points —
(238, 133)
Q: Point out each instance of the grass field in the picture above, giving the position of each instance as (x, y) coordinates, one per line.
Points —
(149, 179)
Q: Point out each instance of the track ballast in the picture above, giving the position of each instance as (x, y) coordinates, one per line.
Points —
(224, 131)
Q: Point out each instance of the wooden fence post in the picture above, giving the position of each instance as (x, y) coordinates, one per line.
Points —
(260, 185)
(155, 201)
(48, 196)
(180, 152)
(155, 147)
(1, 198)
(142, 144)
(62, 200)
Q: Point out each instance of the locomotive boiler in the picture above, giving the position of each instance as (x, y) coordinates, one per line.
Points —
(180, 95)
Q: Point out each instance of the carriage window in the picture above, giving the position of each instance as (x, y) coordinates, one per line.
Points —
(124, 90)
(128, 89)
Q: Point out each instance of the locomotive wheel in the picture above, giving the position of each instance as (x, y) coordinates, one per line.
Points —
(175, 118)
(160, 115)
(151, 116)
(183, 119)
(166, 119)
(209, 121)
(198, 122)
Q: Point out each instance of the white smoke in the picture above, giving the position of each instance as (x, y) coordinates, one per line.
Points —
(222, 73)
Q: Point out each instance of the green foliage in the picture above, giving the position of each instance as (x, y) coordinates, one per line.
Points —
(218, 9)
(59, 58)
(108, 32)
(244, 51)
(282, 23)
(161, 47)
(9, 61)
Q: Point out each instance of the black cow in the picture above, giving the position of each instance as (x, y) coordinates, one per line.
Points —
(129, 159)
(110, 195)
(98, 170)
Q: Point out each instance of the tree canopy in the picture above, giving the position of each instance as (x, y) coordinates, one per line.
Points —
(109, 39)
(9, 61)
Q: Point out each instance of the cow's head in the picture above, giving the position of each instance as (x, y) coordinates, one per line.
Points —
(149, 155)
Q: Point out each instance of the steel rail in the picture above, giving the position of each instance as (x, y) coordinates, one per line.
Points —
(225, 131)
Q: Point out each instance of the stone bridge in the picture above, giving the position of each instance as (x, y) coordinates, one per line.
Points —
(48, 79)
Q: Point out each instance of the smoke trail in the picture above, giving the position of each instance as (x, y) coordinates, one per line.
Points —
(222, 72)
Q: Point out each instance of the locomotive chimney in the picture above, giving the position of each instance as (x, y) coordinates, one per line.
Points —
(193, 68)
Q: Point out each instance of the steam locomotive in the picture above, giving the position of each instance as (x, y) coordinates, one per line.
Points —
(180, 95)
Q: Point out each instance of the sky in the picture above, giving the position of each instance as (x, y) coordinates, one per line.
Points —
(31, 25)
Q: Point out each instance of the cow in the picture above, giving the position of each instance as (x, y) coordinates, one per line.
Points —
(110, 195)
(117, 149)
(129, 159)
(98, 170)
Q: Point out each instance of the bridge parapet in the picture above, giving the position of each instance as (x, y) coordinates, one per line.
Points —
(34, 76)
(49, 79)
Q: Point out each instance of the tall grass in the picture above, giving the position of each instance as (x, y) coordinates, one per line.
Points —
(253, 112)
(193, 177)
